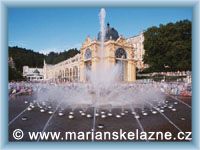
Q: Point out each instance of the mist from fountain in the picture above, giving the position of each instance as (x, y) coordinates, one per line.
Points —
(123, 96)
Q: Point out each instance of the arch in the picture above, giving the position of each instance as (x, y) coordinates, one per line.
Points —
(120, 53)
(87, 62)
(67, 74)
(63, 73)
(120, 57)
(70, 74)
(75, 73)
(59, 75)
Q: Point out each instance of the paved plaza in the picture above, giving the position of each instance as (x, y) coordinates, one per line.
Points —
(174, 116)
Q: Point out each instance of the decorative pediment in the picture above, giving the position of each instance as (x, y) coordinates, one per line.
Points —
(122, 41)
(87, 41)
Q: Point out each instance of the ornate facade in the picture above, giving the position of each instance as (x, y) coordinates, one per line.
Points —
(138, 46)
(66, 71)
(115, 51)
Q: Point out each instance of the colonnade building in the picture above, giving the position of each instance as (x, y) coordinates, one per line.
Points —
(128, 52)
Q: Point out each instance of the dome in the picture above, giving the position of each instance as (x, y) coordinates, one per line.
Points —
(111, 33)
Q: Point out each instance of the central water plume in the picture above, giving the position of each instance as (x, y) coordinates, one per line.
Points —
(102, 16)
(104, 75)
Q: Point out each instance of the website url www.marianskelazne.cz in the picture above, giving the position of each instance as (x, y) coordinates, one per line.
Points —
(104, 136)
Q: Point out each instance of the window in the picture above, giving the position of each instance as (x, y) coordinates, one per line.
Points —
(88, 54)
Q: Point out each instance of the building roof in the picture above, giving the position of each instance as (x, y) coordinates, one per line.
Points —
(36, 71)
(111, 33)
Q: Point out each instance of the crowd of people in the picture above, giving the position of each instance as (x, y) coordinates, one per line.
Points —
(172, 88)
(17, 88)
(178, 89)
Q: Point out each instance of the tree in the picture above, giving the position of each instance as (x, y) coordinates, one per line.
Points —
(22, 57)
(14, 74)
(54, 58)
(168, 47)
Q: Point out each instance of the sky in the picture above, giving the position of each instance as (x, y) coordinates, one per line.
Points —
(58, 29)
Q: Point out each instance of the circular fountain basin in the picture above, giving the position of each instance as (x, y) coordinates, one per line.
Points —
(161, 110)
(42, 110)
(122, 113)
(103, 112)
(83, 114)
(97, 114)
(32, 106)
(173, 109)
(126, 111)
(103, 116)
(71, 112)
(60, 114)
(24, 118)
(89, 116)
(175, 103)
(50, 112)
(170, 107)
(144, 113)
(29, 108)
(110, 114)
(118, 116)
(154, 112)
(71, 117)
(137, 117)
(183, 119)
(100, 126)
(133, 112)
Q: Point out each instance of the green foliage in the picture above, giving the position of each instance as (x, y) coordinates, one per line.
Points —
(22, 57)
(54, 58)
(168, 47)
(14, 74)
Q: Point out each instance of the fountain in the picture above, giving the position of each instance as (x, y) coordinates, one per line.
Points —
(102, 91)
